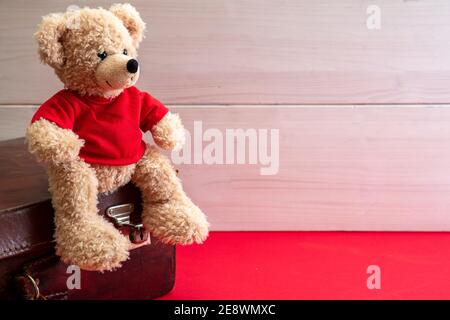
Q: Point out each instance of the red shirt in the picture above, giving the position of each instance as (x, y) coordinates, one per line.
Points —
(111, 128)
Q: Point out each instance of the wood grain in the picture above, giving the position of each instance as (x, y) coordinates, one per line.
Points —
(259, 52)
(14, 120)
(341, 168)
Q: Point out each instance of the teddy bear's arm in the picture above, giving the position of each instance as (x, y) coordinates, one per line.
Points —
(51, 144)
(165, 127)
(169, 133)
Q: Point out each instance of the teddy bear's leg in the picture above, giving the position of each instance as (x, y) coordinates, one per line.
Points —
(168, 213)
(82, 236)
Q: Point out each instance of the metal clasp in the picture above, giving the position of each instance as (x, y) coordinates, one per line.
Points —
(37, 293)
(121, 216)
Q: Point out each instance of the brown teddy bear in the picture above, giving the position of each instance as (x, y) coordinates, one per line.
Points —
(89, 135)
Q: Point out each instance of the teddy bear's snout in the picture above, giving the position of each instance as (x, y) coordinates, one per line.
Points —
(132, 66)
(116, 72)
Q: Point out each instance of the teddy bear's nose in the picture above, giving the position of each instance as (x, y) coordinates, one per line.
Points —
(132, 66)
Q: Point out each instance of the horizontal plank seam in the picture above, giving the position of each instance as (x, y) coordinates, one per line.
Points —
(289, 106)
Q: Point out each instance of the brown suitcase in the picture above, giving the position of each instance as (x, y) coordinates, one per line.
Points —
(28, 267)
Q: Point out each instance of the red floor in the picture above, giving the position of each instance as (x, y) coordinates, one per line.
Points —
(314, 265)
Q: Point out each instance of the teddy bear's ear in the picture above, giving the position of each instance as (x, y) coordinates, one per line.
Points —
(131, 19)
(48, 37)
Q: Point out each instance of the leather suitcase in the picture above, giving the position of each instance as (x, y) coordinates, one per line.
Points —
(28, 266)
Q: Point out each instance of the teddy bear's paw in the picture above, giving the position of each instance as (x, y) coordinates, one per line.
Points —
(177, 221)
(52, 144)
(94, 246)
(169, 132)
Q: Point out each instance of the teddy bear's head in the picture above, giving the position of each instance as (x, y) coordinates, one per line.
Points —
(93, 51)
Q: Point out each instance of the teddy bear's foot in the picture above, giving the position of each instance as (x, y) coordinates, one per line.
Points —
(168, 213)
(93, 245)
(176, 221)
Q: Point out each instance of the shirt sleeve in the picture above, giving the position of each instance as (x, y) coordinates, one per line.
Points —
(57, 110)
(152, 111)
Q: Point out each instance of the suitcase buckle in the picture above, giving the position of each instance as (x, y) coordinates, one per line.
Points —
(121, 217)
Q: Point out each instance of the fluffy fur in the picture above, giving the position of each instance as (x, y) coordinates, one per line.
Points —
(131, 20)
(70, 43)
(51, 144)
(169, 132)
(168, 212)
(82, 236)
(111, 178)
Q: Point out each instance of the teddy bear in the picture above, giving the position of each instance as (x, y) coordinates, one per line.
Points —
(89, 136)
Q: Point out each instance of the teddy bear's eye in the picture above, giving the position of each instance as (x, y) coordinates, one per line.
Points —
(102, 55)
(125, 52)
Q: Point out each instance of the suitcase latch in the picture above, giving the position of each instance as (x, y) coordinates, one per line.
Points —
(121, 217)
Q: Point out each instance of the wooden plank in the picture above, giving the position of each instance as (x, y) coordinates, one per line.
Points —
(259, 52)
(14, 120)
(340, 168)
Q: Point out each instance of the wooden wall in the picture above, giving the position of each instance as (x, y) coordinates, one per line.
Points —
(363, 115)
(259, 52)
